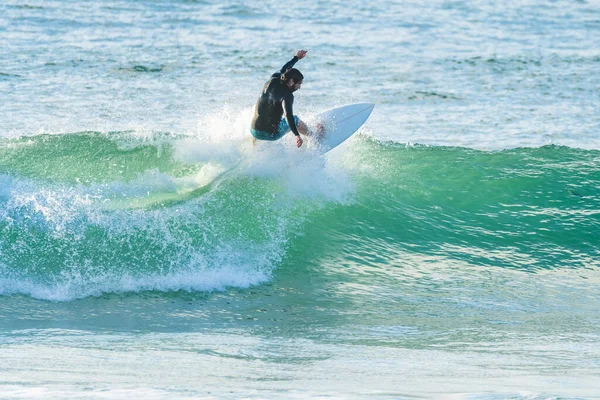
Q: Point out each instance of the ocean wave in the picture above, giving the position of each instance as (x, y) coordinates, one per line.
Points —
(82, 215)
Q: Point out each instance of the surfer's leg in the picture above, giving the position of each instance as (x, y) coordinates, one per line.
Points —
(302, 128)
(285, 128)
(259, 135)
(315, 133)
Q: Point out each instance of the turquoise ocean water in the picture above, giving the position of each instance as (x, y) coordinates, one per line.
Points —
(450, 249)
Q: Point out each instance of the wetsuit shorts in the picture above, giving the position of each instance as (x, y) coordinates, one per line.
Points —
(281, 130)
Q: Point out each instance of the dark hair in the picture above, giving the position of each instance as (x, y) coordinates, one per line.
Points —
(292, 73)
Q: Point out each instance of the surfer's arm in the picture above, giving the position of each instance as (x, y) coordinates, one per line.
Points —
(288, 110)
(288, 65)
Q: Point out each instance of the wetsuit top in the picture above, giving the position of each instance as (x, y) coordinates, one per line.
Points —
(275, 98)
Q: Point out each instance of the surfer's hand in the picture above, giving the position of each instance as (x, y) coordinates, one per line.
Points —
(300, 54)
(298, 141)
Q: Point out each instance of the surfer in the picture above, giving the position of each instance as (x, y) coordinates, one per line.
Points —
(273, 113)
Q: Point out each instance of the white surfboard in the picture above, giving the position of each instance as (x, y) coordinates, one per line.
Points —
(340, 123)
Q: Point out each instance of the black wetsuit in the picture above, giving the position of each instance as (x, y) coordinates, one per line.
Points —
(274, 99)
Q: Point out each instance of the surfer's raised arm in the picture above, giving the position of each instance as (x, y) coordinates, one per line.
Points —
(300, 54)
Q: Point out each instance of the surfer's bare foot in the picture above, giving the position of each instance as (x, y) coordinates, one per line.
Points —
(253, 141)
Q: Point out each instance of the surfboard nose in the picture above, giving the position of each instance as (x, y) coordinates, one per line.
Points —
(342, 122)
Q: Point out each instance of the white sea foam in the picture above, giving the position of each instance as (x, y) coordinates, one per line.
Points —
(228, 267)
(219, 137)
(185, 246)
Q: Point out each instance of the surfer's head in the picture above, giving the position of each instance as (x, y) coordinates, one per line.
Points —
(293, 79)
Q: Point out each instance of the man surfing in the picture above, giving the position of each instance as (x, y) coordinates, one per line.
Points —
(276, 100)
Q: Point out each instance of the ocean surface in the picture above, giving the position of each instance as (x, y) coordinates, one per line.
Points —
(450, 249)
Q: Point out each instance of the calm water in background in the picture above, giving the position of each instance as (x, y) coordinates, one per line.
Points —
(450, 249)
